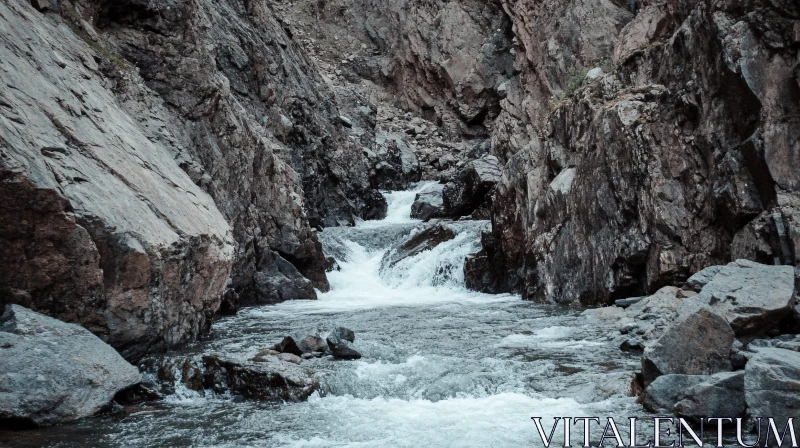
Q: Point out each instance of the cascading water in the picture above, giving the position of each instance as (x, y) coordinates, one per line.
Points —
(442, 366)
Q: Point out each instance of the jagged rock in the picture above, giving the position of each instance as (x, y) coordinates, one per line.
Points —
(280, 281)
(312, 344)
(697, 396)
(698, 344)
(624, 303)
(702, 278)
(341, 348)
(186, 370)
(54, 372)
(753, 297)
(429, 204)
(288, 345)
(344, 334)
(270, 379)
(418, 242)
(471, 186)
(771, 384)
(396, 164)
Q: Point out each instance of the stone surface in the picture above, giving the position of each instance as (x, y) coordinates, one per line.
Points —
(54, 372)
(697, 396)
(424, 239)
(288, 345)
(270, 379)
(753, 297)
(312, 344)
(471, 187)
(429, 204)
(342, 348)
(344, 334)
(699, 344)
(772, 384)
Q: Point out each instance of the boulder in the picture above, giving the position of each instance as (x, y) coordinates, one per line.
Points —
(312, 344)
(429, 204)
(341, 348)
(697, 344)
(470, 188)
(394, 162)
(288, 345)
(54, 372)
(753, 297)
(416, 243)
(697, 396)
(344, 333)
(697, 281)
(772, 384)
(270, 379)
(280, 281)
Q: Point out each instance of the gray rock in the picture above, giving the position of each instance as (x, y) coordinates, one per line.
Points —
(429, 204)
(288, 345)
(624, 303)
(471, 186)
(698, 344)
(342, 349)
(279, 281)
(772, 384)
(270, 379)
(753, 297)
(424, 239)
(344, 334)
(54, 372)
(702, 278)
(311, 344)
(697, 396)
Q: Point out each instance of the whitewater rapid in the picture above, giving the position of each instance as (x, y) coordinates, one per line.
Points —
(442, 366)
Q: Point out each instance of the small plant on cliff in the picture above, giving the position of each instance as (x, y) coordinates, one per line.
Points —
(576, 79)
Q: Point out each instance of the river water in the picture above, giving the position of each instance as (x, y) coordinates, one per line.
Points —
(441, 367)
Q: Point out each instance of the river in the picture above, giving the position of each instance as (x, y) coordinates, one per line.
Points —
(442, 366)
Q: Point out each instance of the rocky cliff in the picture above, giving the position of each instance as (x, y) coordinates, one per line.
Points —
(158, 156)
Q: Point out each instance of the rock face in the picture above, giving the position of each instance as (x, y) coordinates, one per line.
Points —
(674, 160)
(54, 372)
(159, 156)
(771, 379)
(700, 344)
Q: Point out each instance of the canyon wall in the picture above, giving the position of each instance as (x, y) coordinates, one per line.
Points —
(161, 159)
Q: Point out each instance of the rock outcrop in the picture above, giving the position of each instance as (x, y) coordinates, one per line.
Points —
(55, 372)
(270, 378)
(429, 204)
(771, 379)
(157, 157)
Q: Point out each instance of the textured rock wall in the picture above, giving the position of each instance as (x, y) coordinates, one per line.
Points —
(675, 160)
(157, 156)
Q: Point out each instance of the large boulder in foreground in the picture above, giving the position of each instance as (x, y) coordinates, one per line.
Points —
(697, 396)
(698, 344)
(429, 204)
(772, 384)
(54, 372)
(470, 188)
(753, 297)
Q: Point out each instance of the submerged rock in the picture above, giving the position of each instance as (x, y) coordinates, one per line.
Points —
(269, 379)
(54, 372)
(418, 242)
(312, 344)
(288, 345)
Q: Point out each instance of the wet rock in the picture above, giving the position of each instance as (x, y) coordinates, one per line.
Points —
(753, 297)
(311, 344)
(280, 281)
(289, 357)
(698, 344)
(344, 333)
(54, 372)
(341, 348)
(633, 345)
(395, 163)
(418, 242)
(471, 186)
(624, 303)
(771, 384)
(429, 204)
(288, 345)
(697, 396)
(271, 379)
